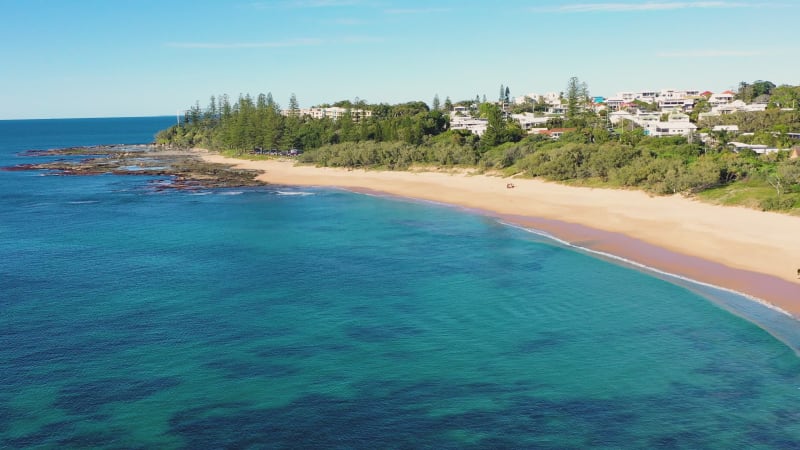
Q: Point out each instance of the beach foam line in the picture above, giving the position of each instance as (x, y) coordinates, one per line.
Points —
(646, 267)
(782, 327)
(298, 193)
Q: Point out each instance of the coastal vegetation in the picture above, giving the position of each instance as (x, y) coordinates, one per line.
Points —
(402, 136)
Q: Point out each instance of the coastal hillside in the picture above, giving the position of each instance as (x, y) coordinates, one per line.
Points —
(745, 155)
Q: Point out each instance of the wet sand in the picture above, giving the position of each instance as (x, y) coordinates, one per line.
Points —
(753, 252)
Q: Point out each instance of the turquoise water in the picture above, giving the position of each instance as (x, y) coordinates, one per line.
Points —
(318, 318)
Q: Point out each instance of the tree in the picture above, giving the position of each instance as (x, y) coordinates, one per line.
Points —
(436, 106)
(700, 107)
(194, 114)
(745, 92)
(498, 130)
(785, 96)
(495, 128)
(294, 107)
(448, 105)
(583, 93)
(784, 176)
(575, 92)
(210, 115)
(762, 88)
(346, 127)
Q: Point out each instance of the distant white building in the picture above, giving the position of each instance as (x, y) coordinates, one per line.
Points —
(758, 107)
(459, 121)
(678, 117)
(332, 112)
(615, 103)
(678, 126)
(618, 116)
(677, 94)
(642, 96)
(550, 98)
(529, 121)
(555, 133)
(728, 128)
(721, 98)
(643, 117)
(675, 104)
(758, 148)
(733, 107)
(557, 110)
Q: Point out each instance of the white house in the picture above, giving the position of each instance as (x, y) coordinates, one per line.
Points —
(758, 148)
(550, 98)
(557, 110)
(728, 128)
(721, 98)
(756, 107)
(529, 121)
(615, 103)
(675, 104)
(643, 117)
(669, 128)
(618, 116)
(678, 117)
(734, 106)
(471, 124)
(555, 133)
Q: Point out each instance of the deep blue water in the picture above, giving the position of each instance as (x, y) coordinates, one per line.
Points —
(318, 318)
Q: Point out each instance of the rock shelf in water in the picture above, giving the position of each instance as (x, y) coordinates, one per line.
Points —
(184, 168)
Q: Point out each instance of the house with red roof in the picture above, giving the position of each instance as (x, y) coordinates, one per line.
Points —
(556, 133)
(721, 98)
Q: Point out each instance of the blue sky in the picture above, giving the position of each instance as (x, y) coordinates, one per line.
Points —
(104, 58)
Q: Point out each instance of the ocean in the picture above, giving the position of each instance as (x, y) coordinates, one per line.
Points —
(286, 317)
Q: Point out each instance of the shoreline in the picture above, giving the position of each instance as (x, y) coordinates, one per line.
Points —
(751, 252)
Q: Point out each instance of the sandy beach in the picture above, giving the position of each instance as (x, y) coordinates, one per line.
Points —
(753, 252)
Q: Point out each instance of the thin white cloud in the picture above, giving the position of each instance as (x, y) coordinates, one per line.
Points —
(230, 45)
(416, 10)
(708, 54)
(644, 6)
(360, 40)
(309, 42)
(305, 4)
(347, 21)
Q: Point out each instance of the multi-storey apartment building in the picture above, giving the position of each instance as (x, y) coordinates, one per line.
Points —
(332, 112)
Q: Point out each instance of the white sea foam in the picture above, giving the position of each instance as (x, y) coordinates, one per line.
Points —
(83, 202)
(647, 268)
(231, 193)
(300, 193)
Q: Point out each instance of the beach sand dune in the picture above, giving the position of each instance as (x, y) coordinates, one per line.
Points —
(754, 252)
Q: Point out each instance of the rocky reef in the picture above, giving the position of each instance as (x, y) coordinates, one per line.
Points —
(174, 168)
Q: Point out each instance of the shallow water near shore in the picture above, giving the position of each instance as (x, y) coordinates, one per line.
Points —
(289, 317)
